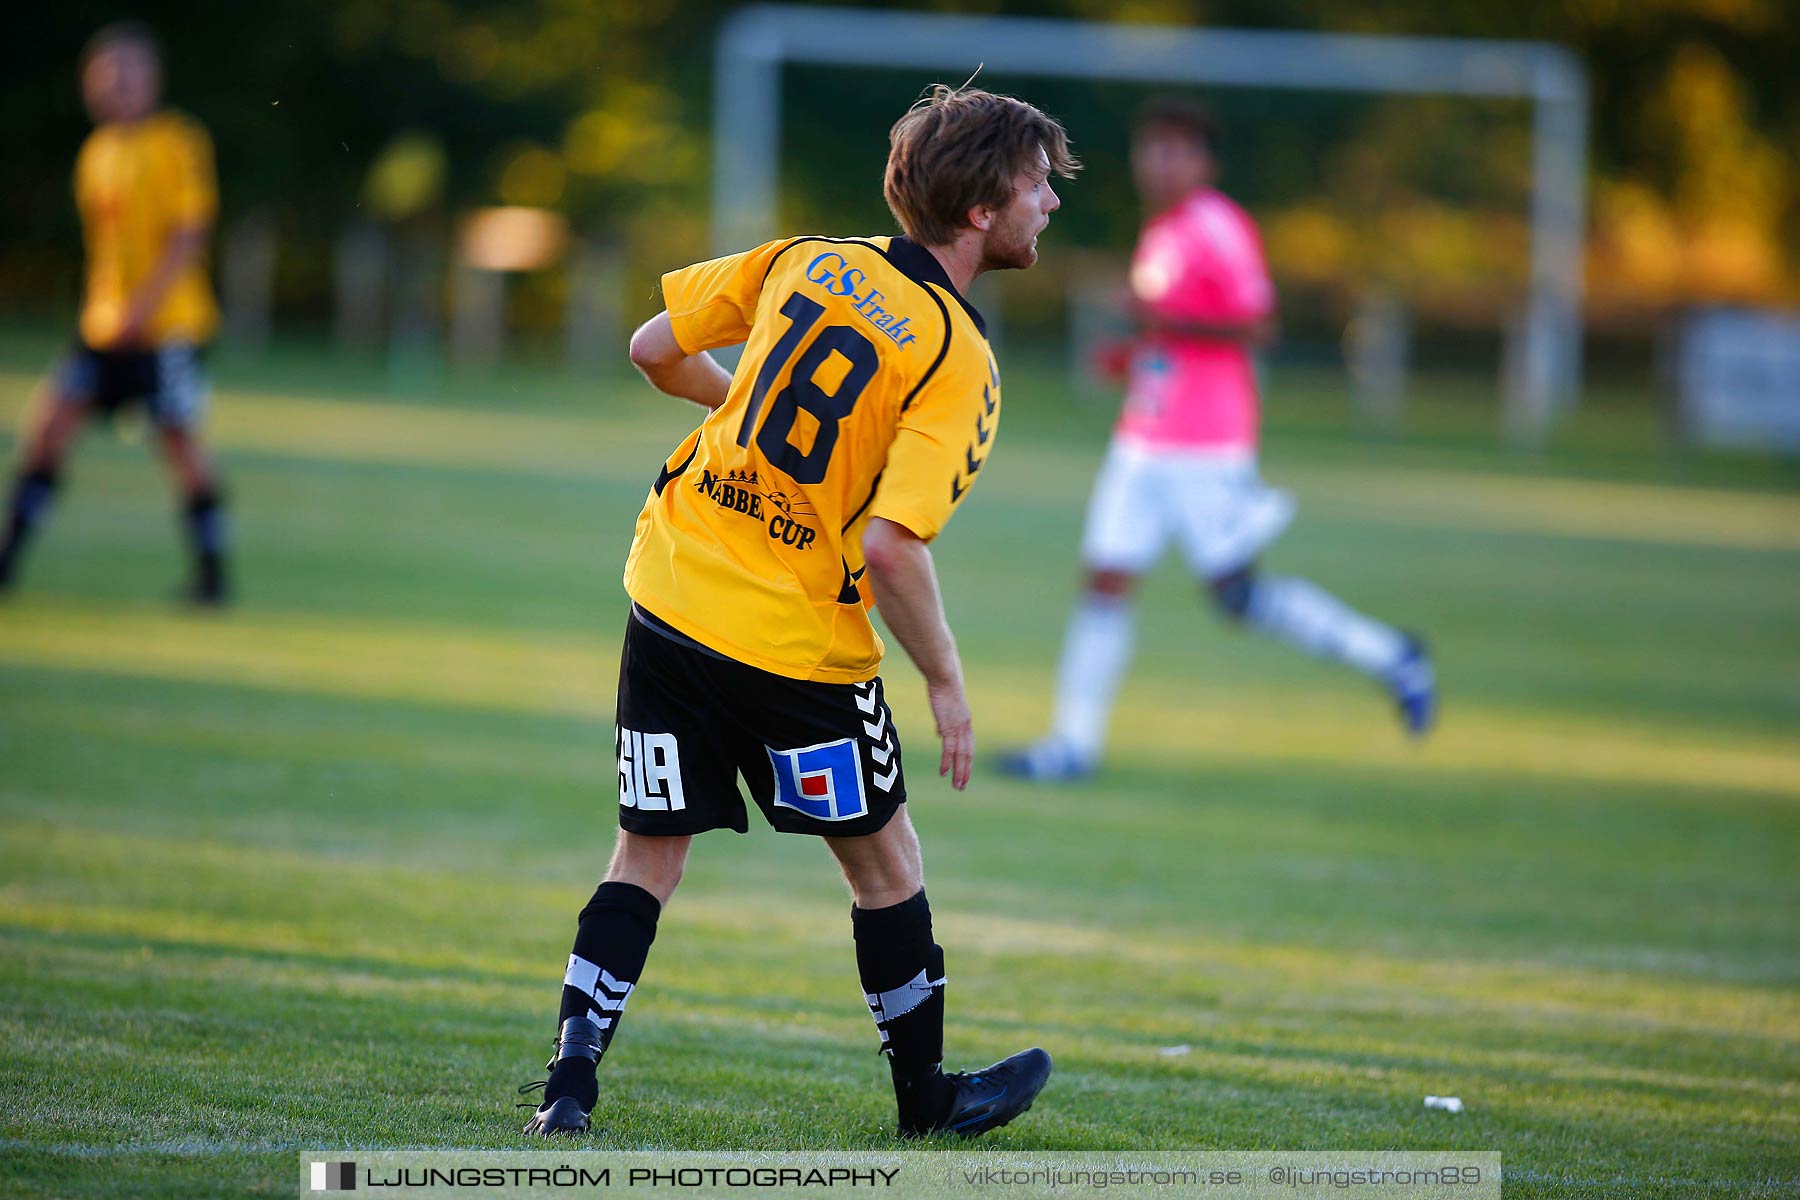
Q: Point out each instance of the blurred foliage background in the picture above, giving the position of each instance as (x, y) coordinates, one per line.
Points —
(327, 113)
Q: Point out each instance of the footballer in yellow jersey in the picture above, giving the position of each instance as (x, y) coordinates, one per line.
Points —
(861, 414)
(145, 189)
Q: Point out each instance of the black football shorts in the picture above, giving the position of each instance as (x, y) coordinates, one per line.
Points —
(821, 758)
(169, 381)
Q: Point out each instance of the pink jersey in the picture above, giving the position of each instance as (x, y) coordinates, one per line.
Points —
(1200, 261)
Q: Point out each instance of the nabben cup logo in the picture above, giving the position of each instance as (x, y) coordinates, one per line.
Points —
(334, 1177)
(784, 515)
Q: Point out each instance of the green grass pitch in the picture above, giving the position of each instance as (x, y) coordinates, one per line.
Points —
(304, 876)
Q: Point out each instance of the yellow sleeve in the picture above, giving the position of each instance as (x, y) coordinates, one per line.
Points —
(193, 186)
(713, 304)
(942, 443)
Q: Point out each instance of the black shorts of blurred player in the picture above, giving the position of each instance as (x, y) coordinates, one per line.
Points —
(170, 383)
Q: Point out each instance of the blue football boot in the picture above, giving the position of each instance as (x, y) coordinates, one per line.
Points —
(1413, 683)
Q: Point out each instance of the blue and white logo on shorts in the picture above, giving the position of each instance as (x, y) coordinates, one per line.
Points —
(823, 782)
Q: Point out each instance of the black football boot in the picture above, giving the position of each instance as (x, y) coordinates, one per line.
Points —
(986, 1099)
(561, 1112)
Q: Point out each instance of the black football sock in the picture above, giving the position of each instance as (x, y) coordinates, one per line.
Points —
(611, 944)
(902, 973)
(32, 493)
(206, 532)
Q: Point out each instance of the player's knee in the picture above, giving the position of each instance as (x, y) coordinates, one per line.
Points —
(189, 460)
(1231, 593)
(42, 458)
(872, 890)
(1103, 582)
(659, 879)
(665, 875)
(652, 863)
(48, 444)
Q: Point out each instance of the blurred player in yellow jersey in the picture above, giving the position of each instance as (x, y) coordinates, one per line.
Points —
(145, 189)
(860, 416)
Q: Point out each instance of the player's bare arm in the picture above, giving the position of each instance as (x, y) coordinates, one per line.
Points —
(657, 354)
(906, 590)
(181, 251)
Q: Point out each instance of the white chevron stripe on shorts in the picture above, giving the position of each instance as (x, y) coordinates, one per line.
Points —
(880, 734)
(868, 701)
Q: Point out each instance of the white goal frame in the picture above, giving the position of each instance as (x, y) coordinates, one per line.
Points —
(755, 43)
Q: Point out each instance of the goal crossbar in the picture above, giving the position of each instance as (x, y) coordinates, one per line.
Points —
(755, 43)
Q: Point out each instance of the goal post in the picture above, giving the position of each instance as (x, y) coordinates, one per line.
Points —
(755, 43)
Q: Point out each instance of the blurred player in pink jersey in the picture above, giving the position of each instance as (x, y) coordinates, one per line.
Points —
(1182, 464)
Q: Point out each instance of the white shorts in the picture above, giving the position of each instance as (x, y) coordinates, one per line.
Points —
(1215, 506)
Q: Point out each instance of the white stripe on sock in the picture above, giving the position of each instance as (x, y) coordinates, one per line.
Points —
(607, 992)
(897, 1002)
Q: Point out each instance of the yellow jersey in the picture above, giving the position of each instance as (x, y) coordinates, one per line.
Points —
(867, 389)
(135, 185)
